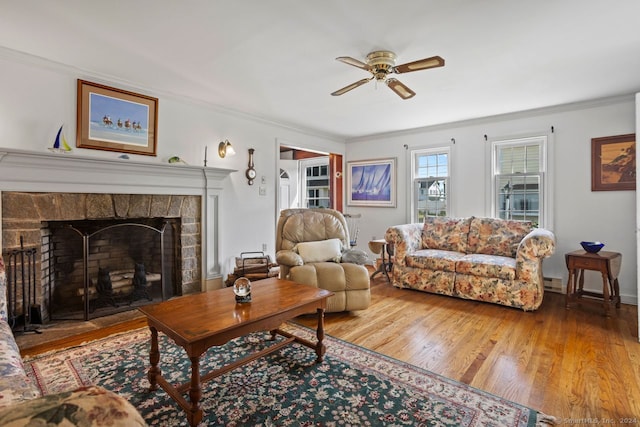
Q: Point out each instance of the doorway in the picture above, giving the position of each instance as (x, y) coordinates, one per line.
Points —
(288, 185)
(309, 179)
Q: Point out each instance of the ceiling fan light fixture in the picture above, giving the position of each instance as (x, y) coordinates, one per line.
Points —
(382, 58)
(380, 64)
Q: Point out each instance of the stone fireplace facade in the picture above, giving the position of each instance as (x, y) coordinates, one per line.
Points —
(25, 218)
(38, 188)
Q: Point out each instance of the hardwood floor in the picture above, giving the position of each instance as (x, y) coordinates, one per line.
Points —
(573, 364)
(576, 364)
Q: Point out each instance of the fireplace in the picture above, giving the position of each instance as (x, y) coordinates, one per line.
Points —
(78, 236)
(100, 267)
(43, 194)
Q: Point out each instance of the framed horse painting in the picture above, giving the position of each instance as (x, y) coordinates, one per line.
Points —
(116, 120)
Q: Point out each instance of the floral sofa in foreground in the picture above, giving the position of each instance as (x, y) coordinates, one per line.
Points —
(484, 259)
(21, 403)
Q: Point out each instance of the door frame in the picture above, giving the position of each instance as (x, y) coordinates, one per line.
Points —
(638, 220)
(336, 167)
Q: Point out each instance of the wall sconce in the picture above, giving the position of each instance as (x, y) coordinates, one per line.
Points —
(225, 148)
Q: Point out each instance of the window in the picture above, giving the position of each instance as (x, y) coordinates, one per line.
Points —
(430, 178)
(519, 179)
(316, 182)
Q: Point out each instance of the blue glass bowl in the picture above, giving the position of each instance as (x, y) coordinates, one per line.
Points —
(592, 247)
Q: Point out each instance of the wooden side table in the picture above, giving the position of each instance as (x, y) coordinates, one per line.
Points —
(607, 263)
(380, 246)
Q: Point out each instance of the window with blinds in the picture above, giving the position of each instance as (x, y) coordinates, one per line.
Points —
(430, 177)
(518, 175)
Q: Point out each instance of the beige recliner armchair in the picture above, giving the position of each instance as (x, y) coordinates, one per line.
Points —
(310, 245)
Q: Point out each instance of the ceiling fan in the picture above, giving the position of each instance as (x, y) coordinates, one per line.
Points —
(380, 64)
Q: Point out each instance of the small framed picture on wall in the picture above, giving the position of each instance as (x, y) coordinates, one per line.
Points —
(116, 120)
(371, 183)
(613, 163)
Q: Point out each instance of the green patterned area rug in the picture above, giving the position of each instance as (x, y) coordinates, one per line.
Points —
(352, 387)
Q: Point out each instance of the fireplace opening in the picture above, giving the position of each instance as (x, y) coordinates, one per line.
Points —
(94, 268)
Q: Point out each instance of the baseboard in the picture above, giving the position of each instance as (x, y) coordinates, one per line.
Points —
(554, 284)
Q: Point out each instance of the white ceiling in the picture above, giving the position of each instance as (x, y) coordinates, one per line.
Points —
(275, 59)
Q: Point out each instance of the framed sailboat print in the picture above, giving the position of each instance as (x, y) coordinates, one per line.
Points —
(372, 183)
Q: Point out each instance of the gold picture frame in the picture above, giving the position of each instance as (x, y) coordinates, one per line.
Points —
(613, 163)
(116, 120)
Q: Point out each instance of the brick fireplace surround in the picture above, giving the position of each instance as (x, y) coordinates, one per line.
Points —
(38, 187)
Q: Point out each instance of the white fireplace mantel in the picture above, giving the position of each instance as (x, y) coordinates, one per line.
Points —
(31, 171)
(46, 172)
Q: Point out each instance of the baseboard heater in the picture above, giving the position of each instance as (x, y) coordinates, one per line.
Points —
(553, 284)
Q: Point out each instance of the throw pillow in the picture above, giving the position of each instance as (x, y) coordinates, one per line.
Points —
(355, 256)
(320, 251)
(492, 236)
(449, 234)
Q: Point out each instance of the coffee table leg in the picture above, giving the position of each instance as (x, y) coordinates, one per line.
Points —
(154, 358)
(195, 393)
(320, 347)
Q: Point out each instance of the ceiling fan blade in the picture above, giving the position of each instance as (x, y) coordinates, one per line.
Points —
(421, 64)
(352, 61)
(398, 87)
(351, 86)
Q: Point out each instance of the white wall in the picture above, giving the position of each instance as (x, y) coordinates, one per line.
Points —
(39, 96)
(579, 213)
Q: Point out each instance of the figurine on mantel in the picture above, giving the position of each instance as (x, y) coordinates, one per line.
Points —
(60, 144)
(176, 159)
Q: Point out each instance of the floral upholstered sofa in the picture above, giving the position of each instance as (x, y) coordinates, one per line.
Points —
(484, 259)
(21, 403)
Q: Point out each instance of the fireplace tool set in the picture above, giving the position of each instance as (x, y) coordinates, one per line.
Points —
(21, 276)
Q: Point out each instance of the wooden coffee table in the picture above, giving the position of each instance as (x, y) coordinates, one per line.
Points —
(200, 321)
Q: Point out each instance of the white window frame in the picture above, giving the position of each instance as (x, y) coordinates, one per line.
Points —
(546, 187)
(414, 154)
